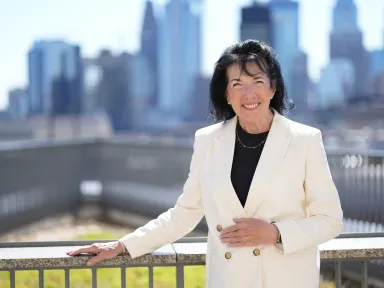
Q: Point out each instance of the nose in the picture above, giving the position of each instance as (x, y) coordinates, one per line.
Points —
(249, 90)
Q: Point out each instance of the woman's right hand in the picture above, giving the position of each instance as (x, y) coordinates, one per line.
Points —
(102, 251)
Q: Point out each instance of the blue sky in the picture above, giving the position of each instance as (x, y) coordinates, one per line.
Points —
(116, 24)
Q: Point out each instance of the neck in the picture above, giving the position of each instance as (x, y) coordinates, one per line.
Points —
(259, 124)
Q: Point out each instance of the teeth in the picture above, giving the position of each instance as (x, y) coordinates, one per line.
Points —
(251, 106)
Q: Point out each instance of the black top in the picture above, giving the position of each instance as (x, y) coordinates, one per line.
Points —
(245, 161)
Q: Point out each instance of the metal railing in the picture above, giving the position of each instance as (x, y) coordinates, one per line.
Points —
(359, 178)
(45, 256)
(39, 181)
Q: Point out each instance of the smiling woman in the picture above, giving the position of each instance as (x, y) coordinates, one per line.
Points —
(261, 180)
(250, 70)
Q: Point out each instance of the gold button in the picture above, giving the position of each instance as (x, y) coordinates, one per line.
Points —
(228, 255)
(256, 252)
(219, 228)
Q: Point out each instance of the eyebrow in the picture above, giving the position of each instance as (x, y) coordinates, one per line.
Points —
(257, 75)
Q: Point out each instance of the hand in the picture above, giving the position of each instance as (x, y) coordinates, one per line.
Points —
(103, 251)
(249, 232)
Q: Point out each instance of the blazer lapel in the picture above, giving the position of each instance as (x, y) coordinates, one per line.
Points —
(273, 153)
(225, 148)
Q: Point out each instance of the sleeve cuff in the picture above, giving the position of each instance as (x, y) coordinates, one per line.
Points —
(125, 250)
(279, 245)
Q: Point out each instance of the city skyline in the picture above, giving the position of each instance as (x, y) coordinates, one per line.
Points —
(314, 31)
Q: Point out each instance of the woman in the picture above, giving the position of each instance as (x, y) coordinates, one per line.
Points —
(261, 180)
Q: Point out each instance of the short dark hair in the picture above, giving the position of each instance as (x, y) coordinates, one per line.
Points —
(242, 53)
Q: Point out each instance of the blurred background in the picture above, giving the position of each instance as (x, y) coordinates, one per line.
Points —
(100, 101)
(117, 67)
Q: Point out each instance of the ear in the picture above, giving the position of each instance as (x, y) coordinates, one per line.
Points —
(226, 97)
(273, 87)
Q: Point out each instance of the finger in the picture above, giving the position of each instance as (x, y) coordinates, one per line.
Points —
(230, 229)
(236, 237)
(96, 259)
(230, 235)
(229, 240)
(240, 220)
(237, 240)
(243, 243)
(233, 239)
(80, 250)
(88, 249)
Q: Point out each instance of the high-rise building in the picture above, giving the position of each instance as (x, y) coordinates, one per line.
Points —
(376, 63)
(92, 78)
(345, 16)
(377, 68)
(379, 86)
(256, 23)
(347, 43)
(55, 78)
(142, 89)
(335, 84)
(300, 83)
(149, 48)
(114, 91)
(179, 56)
(285, 39)
(18, 103)
(200, 107)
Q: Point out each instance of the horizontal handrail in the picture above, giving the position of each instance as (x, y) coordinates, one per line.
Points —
(31, 254)
(200, 239)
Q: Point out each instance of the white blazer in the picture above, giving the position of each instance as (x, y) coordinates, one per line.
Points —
(292, 186)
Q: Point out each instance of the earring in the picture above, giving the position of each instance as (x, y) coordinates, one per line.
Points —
(229, 103)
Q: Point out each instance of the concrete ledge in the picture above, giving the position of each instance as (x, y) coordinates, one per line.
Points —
(170, 255)
(52, 257)
(353, 248)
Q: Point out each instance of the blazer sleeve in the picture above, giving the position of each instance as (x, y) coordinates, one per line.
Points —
(325, 213)
(177, 221)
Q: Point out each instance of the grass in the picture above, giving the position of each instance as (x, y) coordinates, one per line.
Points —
(164, 277)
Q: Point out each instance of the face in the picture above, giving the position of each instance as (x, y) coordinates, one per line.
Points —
(249, 96)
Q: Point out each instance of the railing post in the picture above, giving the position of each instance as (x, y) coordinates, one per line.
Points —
(338, 274)
(364, 282)
(66, 275)
(12, 278)
(94, 277)
(179, 275)
(150, 276)
(41, 278)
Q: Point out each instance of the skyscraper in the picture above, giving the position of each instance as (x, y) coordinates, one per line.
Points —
(377, 70)
(17, 103)
(114, 90)
(347, 42)
(179, 55)
(256, 23)
(149, 48)
(285, 40)
(345, 16)
(55, 78)
(300, 83)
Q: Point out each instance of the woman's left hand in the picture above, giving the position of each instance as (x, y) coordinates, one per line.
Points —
(249, 232)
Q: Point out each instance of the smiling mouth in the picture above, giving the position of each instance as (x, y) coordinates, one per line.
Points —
(251, 106)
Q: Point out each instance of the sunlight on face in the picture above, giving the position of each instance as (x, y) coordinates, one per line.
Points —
(248, 95)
